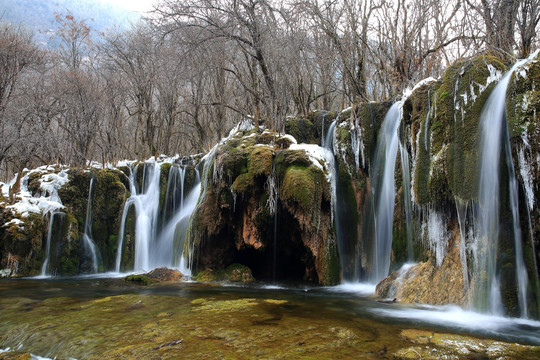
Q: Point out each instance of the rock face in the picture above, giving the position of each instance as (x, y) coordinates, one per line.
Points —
(441, 131)
(303, 206)
(267, 203)
(53, 211)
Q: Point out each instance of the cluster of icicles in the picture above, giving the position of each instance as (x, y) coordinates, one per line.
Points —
(160, 241)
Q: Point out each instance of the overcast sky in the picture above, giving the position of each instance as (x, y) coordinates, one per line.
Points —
(134, 5)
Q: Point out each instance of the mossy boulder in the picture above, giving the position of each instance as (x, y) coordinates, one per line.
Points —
(302, 129)
(109, 194)
(138, 279)
(444, 117)
(234, 273)
(22, 242)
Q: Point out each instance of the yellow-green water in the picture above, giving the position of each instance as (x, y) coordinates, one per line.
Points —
(108, 319)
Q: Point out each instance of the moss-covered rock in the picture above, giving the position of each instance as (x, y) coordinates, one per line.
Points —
(253, 191)
(138, 279)
(444, 118)
(234, 273)
(109, 194)
(302, 130)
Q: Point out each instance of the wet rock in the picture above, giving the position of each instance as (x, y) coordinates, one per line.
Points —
(165, 274)
(233, 273)
(433, 345)
(138, 279)
(428, 283)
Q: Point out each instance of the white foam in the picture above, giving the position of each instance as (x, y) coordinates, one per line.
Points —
(356, 288)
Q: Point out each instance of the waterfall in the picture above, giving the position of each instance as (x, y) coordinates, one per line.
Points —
(45, 268)
(407, 199)
(494, 138)
(273, 197)
(383, 191)
(329, 140)
(332, 168)
(461, 210)
(90, 247)
(147, 208)
(174, 197)
(159, 237)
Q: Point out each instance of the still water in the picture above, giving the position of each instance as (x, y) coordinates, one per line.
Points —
(97, 318)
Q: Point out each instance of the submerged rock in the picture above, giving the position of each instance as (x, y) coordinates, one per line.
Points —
(434, 345)
(235, 273)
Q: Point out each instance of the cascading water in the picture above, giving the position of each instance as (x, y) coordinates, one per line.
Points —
(159, 241)
(90, 247)
(45, 271)
(383, 191)
(494, 138)
(332, 164)
(407, 199)
(174, 197)
(329, 139)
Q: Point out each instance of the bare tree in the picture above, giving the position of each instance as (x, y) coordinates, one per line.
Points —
(18, 54)
(133, 55)
(528, 16)
(498, 23)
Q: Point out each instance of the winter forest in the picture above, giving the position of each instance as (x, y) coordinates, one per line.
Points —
(177, 80)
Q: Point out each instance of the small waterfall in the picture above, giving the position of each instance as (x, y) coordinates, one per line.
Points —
(383, 191)
(397, 285)
(332, 168)
(173, 236)
(90, 247)
(159, 237)
(329, 140)
(494, 130)
(407, 199)
(272, 202)
(174, 197)
(461, 210)
(45, 271)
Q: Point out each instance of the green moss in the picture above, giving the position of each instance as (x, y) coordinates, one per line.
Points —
(331, 274)
(523, 101)
(138, 279)
(242, 183)
(238, 273)
(303, 185)
(260, 161)
(287, 158)
(259, 165)
(451, 110)
(302, 130)
(235, 273)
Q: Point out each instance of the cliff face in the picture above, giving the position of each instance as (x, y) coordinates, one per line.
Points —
(267, 203)
(307, 206)
(46, 223)
(442, 133)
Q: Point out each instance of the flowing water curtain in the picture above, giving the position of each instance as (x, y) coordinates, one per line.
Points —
(487, 272)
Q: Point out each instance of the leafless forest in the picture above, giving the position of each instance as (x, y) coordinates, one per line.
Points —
(177, 80)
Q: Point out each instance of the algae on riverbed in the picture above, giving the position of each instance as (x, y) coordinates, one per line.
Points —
(110, 319)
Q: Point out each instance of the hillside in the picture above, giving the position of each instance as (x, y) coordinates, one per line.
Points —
(39, 15)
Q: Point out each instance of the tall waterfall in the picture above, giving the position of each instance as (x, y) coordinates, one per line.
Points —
(345, 253)
(494, 139)
(159, 236)
(90, 248)
(384, 191)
